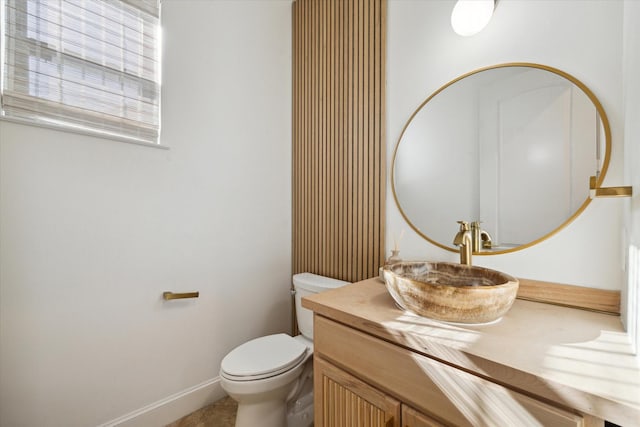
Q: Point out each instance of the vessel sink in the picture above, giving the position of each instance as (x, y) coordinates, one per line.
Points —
(450, 292)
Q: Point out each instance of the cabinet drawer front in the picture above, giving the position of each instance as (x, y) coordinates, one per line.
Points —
(439, 390)
(413, 418)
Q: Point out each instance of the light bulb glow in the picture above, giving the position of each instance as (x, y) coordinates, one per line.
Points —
(471, 16)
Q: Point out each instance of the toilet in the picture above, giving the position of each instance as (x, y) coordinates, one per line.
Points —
(271, 377)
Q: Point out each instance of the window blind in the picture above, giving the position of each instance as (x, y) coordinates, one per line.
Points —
(88, 65)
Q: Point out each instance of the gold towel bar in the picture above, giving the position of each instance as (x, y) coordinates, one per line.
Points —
(170, 295)
(624, 191)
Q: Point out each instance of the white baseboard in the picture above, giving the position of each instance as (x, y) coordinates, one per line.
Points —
(173, 407)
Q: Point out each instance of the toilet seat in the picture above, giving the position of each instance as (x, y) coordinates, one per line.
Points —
(263, 357)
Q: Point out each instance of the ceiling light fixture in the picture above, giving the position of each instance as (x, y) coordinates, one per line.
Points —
(471, 16)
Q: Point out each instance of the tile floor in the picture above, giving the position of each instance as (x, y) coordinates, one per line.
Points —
(219, 414)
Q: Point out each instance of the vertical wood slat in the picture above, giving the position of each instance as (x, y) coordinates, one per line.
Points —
(338, 151)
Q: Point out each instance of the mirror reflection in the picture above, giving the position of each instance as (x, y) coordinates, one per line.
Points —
(509, 147)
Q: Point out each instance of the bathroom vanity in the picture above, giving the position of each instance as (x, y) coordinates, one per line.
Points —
(541, 364)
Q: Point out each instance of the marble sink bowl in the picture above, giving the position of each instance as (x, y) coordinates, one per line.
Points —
(450, 292)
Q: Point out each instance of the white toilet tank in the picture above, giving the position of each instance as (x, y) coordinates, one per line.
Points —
(309, 284)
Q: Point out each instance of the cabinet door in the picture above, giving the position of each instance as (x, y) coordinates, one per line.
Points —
(413, 418)
(342, 400)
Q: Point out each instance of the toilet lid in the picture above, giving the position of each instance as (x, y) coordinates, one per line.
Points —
(263, 357)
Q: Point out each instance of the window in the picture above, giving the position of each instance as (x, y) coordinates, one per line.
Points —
(83, 65)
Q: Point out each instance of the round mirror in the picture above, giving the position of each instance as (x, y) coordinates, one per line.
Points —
(510, 148)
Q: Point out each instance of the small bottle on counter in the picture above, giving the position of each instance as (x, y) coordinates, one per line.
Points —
(394, 258)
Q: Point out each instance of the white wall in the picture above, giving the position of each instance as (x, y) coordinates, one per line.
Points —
(92, 231)
(583, 38)
(631, 67)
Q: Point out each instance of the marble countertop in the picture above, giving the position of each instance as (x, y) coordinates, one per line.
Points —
(578, 358)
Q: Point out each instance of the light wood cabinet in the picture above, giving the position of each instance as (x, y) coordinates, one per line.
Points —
(363, 381)
(542, 364)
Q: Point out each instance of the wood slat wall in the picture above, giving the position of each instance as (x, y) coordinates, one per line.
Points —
(338, 137)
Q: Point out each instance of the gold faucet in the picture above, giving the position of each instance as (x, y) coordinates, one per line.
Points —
(486, 240)
(475, 236)
(464, 239)
(478, 235)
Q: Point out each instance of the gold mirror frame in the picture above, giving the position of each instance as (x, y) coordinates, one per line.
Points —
(599, 179)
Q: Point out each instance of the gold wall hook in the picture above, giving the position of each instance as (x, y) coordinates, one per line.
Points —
(170, 295)
(594, 191)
